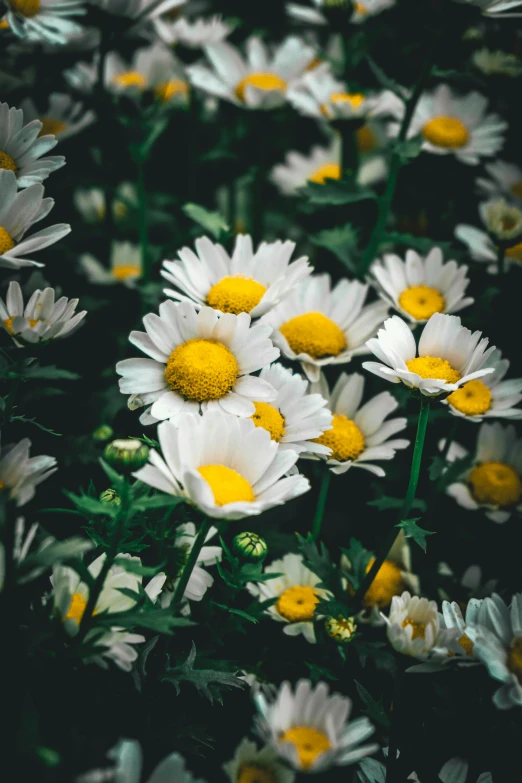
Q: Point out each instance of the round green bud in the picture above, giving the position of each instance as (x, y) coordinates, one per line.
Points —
(340, 629)
(102, 434)
(250, 547)
(110, 496)
(126, 455)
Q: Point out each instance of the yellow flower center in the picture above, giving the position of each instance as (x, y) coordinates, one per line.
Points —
(328, 171)
(432, 367)
(360, 8)
(227, 485)
(125, 271)
(495, 484)
(262, 81)
(516, 189)
(421, 301)
(418, 629)
(201, 370)
(355, 98)
(236, 295)
(515, 252)
(466, 644)
(130, 79)
(77, 608)
(7, 162)
(251, 773)
(168, 90)
(4, 24)
(472, 399)
(315, 334)
(345, 439)
(6, 242)
(366, 140)
(387, 583)
(2, 485)
(8, 323)
(27, 8)
(270, 419)
(297, 603)
(514, 659)
(51, 126)
(447, 132)
(309, 743)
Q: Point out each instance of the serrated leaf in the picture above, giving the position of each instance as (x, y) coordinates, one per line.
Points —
(25, 420)
(374, 709)
(412, 530)
(336, 192)
(358, 557)
(409, 148)
(316, 558)
(157, 620)
(341, 241)
(212, 222)
(132, 567)
(91, 506)
(157, 501)
(202, 679)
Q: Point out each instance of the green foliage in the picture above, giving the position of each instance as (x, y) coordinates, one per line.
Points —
(336, 192)
(341, 241)
(208, 682)
(412, 530)
(211, 222)
(372, 707)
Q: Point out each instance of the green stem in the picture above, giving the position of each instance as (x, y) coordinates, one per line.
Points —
(142, 221)
(349, 149)
(192, 560)
(321, 503)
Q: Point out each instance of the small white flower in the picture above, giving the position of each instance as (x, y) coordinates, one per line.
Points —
(449, 355)
(319, 325)
(505, 179)
(362, 11)
(63, 116)
(155, 68)
(44, 20)
(249, 763)
(224, 465)
(497, 63)
(453, 619)
(90, 203)
(194, 34)
(309, 728)
(414, 628)
(20, 474)
(200, 580)
(42, 319)
(503, 220)
(125, 266)
(481, 247)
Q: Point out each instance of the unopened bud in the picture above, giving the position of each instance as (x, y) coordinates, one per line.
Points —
(126, 455)
(250, 547)
(340, 629)
(110, 496)
(102, 434)
(502, 220)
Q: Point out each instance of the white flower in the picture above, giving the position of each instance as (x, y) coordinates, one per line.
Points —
(453, 619)
(297, 594)
(20, 474)
(481, 247)
(41, 319)
(359, 435)
(309, 728)
(90, 202)
(195, 34)
(200, 580)
(19, 210)
(319, 325)
(414, 628)
(224, 465)
(249, 763)
(199, 359)
(502, 220)
(247, 282)
(361, 11)
(145, 9)
(505, 179)
(258, 82)
(453, 771)
(453, 125)
(449, 355)
(44, 20)
(125, 266)
(21, 148)
(494, 482)
(418, 287)
(154, 68)
(494, 7)
(63, 117)
(497, 63)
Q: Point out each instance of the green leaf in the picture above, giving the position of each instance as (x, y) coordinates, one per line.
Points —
(374, 709)
(91, 506)
(51, 372)
(341, 241)
(358, 557)
(157, 620)
(132, 567)
(336, 192)
(385, 502)
(157, 501)
(239, 612)
(409, 148)
(384, 80)
(422, 244)
(212, 222)
(25, 420)
(317, 558)
(412, 530)
(204, 680)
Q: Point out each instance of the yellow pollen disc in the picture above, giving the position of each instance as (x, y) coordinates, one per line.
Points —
(516, 189)
(432, 367)
(201, 370)
(309, 743)
(514, 659)
(328, 171)
(4, 24)
(355, 98)
(131, 79)
(125, 271)
(77, 608)
(297, 603)
(387, 583)
(227, 485)
(6, 242)
(466, 644)
(51, 126)
(251, 773)
(27, 8)
(235, 295)
(315, 334)
(6, 162)
(8, 323)
(262, 81)
(168, 90)
(366, 141)
(314, 63)
(418, 629)
(345, 439)
(270, 419)
(360, 8)
(495, 484)
(515, 252)
(2, 485)
(472, 399)
(421, 302)
(447, 132)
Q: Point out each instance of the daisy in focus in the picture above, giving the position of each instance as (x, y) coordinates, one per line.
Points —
(419, 287)
(313, 13)
(503, 179)
(44, 20)
(200, 580)
(359, 433)
(20, 474)
(319, 325)
(153, 69)
(193, 34)
(125, 266)
(198, 360)
(453, 619)
(310, 729)
(414, 628)
(224, 465)
(297, 594)
(249, 281)
(449, 355)
(42, 318)
(62, 118)
(250, 764)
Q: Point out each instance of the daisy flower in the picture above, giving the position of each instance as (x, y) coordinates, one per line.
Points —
(419, 287)
(125, 266)
(200, 580)
(193, 34)
(127, 761)
(496, 63)
(453, 619)
(414, 628)
(481, 247)
(247, 282)
(42, 319)
(313, 14)
(359, 434)
(19, 210)
(20, 474)
(449, 355)
(259, 81)
(21, 148)
(453, 125)
(90, 203)
(297, 594)
(63, 117)
(251, 764)
(309, 727)
(224, 465)
(154, 68)
(504, 179)
(44, 20)
(199, 359)
(319, 325)
(494, 482)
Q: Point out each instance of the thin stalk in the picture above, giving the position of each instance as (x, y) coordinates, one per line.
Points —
(321, 503)
(192, 560)
(142, 221)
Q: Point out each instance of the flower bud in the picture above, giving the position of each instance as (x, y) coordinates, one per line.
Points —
(102, 434)
(110, 496)
(503, 221)
(250, 547)
(126, 455)
(340, 629)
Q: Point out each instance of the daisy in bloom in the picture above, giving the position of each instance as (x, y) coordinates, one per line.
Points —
(90, 203)
(63, 117)
(226, 466)
(251, 764)
(414, 628)
(42, 319)
(497, 63)
(125, 268)
(200, 580)
(127, 761)
(319, 325)
(21, 149)
(247, 282)
(453, 619)
(259, 81)
(494, 482)
(20, 474)
(193, 34)
(419, 287)
(491, 396)
(494, 7)
(453, 125)
(361, 10)
(504, 179)
(44, 20)
(154, 68)
(359, 433)
(449, 355)
(199, 359)
(482, 248)
(309, 727)
(297, 594)
(19, 210)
